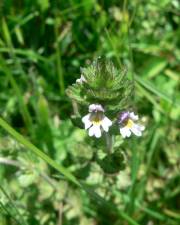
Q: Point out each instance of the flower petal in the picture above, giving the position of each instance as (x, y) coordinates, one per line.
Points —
(96, 107)
(97, 131)
(87, 124)
(125, 132)
(78, 81)
(91, 131)
(81, 80)
(87, 121)
(92, 107)
(133, 116)
(136, 129)
(85, 118)
(106, 123)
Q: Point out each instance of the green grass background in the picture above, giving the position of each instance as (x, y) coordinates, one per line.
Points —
(47, 171)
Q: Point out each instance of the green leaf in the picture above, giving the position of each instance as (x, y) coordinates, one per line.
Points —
(27, 179)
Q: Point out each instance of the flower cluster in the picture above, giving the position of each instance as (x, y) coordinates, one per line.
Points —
(102, 84)
(97, 122)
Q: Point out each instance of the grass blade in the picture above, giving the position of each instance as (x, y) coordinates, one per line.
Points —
(13, 206)
(154, 90)
(4, 210)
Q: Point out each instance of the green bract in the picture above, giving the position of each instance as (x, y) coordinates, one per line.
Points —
(104, 84)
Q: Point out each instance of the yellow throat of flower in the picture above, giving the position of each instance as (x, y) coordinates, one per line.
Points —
(130, 123)
(96, 118)
(96, 122)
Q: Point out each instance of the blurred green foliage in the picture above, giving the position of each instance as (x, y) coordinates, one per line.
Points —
(43, 44)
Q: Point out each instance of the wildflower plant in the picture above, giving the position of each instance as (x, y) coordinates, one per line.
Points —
(103, 95)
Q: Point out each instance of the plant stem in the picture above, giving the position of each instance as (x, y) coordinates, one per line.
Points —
(109, 143)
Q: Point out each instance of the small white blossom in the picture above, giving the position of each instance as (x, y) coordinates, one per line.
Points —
(81, 80)
(128, 125)
(96, 121)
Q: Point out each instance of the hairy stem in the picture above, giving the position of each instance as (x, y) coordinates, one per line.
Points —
(109, 143)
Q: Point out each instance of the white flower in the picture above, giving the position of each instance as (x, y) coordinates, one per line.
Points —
(128, 125)
(81, 80)
(96, 121)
